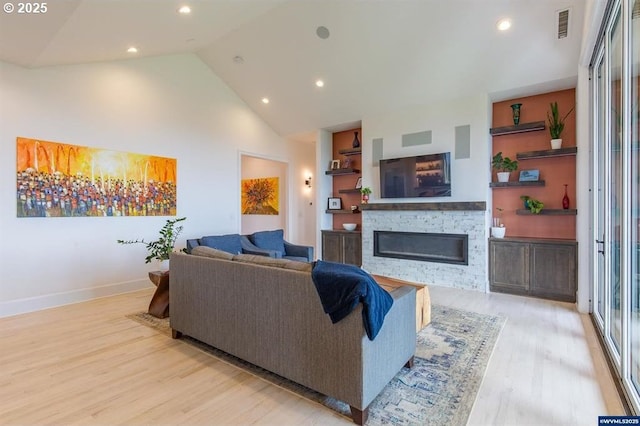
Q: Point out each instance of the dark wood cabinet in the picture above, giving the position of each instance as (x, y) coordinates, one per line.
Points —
(342, 246)
(541, 268)
(509, 267)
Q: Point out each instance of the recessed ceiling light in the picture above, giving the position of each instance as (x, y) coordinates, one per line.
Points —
(319, 83)
(184, 10)
(503, 24)
(265, 100)
(132, 49)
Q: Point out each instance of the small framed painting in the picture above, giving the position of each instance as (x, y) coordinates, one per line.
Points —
(359, 183)
(529, 175)
(335, 164)
(335, 203)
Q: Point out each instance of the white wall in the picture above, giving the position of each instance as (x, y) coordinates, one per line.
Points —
(469, 177)
(171, 106)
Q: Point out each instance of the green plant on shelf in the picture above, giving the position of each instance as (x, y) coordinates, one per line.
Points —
(503, 164)
(556, 124)
(535, 206)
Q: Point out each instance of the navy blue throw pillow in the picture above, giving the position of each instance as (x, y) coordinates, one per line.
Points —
(229, 243)
(269, 240)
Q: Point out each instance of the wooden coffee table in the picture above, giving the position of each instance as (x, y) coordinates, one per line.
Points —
(423, 301)
(159, 305)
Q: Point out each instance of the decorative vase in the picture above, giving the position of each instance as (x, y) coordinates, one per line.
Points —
(498, 231)
(556, 143)
(356, 142)
(365, 199)
(163, 265)
(516, 113)
(503, 176)
(565, 199)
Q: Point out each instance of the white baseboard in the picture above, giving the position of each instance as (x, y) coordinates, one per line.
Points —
(31, 304)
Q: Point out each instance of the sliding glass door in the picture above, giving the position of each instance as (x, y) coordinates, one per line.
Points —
(616, 191)
(634, 321)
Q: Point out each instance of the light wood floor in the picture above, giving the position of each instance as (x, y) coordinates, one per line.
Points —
(86, 364)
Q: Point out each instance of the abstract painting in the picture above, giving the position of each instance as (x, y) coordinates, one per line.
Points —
(63, 180)
(260, 196)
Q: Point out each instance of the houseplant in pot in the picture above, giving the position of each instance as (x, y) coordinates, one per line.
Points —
(503, 166)
(366, 191)
(556, 125)
(161, 249)
(535, 206)
(498, 229)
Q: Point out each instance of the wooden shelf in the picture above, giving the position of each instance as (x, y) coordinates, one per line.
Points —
(520, 128)
(349, 191)
(343, 211)
(562, 152)
(548, 212)
(342, 172)
(516, 184)
(350, 151)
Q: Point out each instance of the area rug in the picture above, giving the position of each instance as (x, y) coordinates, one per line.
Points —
(451, 357)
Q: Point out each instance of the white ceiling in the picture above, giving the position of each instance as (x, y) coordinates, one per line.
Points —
(381, 55)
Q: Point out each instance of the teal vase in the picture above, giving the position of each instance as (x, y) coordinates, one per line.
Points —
(515, 108)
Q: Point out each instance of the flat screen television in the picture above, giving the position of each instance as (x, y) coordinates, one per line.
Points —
(419, 176)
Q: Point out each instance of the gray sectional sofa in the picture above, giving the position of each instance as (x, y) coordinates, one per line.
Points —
(267, 311)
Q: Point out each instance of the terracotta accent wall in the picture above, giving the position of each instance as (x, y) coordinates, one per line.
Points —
(344, 140)
(555, 171)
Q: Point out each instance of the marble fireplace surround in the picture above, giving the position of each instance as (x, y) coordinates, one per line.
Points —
(468, 218)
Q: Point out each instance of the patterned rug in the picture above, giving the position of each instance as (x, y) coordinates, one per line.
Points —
(451, 357)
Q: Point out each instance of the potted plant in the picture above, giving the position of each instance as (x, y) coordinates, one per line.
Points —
(503, 166)
(556, 125)
(161, 248)
(498, 229)
(535, 206)
(366, 191)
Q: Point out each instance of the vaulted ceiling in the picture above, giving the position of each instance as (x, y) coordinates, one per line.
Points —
(380, 55)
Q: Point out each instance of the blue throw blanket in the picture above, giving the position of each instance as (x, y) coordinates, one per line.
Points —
(341, 287)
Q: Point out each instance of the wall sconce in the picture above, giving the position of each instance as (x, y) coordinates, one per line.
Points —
(308, 182)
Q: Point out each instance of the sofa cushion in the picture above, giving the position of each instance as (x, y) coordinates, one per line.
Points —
(207, 251)
(295, 265)
(276, 263)
(270, 240)
(229, 243)
(260, 260)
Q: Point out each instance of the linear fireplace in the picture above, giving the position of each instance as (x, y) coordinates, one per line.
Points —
(423, 246)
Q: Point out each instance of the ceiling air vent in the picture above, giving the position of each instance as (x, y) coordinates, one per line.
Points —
(563, 23)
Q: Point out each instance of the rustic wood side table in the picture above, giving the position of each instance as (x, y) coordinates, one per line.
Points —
(423, 300)
(159, 305)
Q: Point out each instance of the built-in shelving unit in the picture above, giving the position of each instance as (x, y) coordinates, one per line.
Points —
(548, 212)
(520, 128)
(562, 152)
(541, 260)
(344, 182)
(516, 184)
